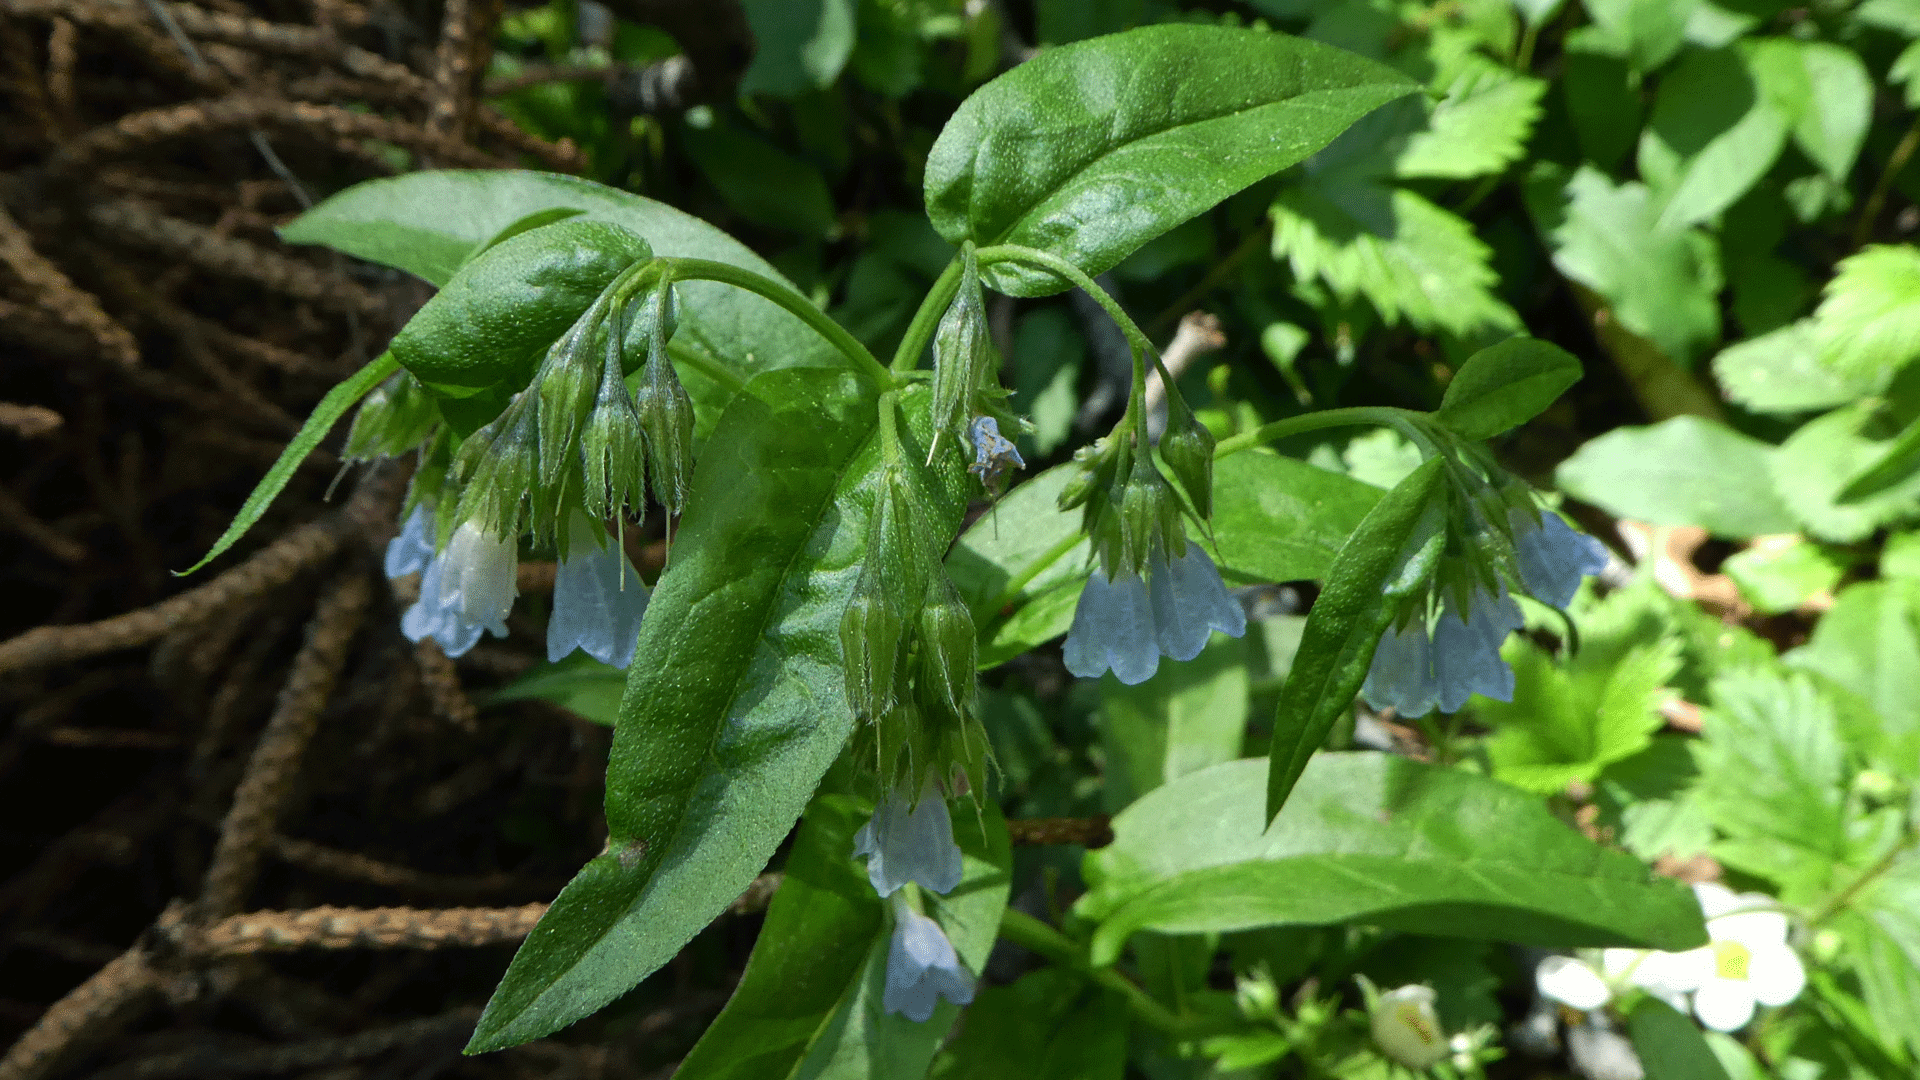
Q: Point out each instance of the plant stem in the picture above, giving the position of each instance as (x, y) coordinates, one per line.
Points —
(1025, 577)
(1845, 896)
(1216, 274)
(1030, 933)
(863, 362)
(704, 363)
(1400, 420)
(1902, 151)
(1072, 274)
(932, 307)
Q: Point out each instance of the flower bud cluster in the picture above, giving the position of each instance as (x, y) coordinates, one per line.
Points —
(397, 416)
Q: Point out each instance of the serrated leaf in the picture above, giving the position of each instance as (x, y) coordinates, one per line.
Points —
(1564, 725)
(1646, 33)
(735, 703)
(1869, 323)
(1713, 134)
(1825, 92)
(1408, 257)
(1662, 284)
(1685, 471)
(1781, 372)
(1092, 149)
(1884, 948)
(1371, 838)
(1480, 127)
(1868, 644)
(1815, 465)
(1505, 385)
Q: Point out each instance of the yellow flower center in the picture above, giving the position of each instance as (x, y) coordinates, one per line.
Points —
(1731, 960)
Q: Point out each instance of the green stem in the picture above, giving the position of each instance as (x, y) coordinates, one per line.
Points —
(890, 428)
(727, 274)
(1068, 272)
(1030, 933)
(932, 306)
(1903, 150)
(710, 366)
(1845, 896)
(1025, 577)
(1400, 420)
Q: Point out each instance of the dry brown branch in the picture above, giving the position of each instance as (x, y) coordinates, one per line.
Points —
(361, 928)
(127, 20)
(60, 296)
(93, 1008)
(465, 29)
(206, 1061)
(29, 421)
(266, 787)
(284, 39)
(442, 682)
(63, 56)
(353, 866)
(271, 567)
(562, 156)
(14, 515)
(132, 222)
(1093, 832)
(23, 79)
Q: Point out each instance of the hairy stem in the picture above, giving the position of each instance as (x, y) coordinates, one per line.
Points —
(863, 363)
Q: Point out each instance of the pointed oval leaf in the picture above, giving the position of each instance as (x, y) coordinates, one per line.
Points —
(1374, 838)
(1506, 385)
(1092, 149)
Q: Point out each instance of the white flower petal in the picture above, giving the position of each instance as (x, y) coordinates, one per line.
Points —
(1406, 1028)
(1113, 628)
(922, 968)
(598, 601)
(1715, 899)
(479, 574)
(1553, 557)
(905, 844)
(1775, 975)
(1676, 973)
(412, 550)
(1572, 983)
(438, 616)
(1754, 929)
(1724, 1004)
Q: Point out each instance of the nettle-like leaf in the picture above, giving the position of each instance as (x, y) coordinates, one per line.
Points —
(1092, 149)
(1869, 323)
(1408, 257)
(1661, 283)
(1645, 33)
(1480, 127)
(1815, 466)
(1683, 471)
(1824, 91)
(1868, 646)
(1371, 838)
(735, 704)
(1882, 935)
(1185, 718)
(1781, 372)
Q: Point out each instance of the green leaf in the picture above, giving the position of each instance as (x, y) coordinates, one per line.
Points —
(1772, 779)
(1883, 937)
(1372, 838)
(1869, 323)
(577, 682)
(1092, 149)
(1662, 284)
(1408, 257)
(810, 1002)
(1603, 105)
(735, 703)
(1906, 72)
(1646, 33)
(1868, 644)
(802, 45)
(1387, 553)
(1049, 1025)
(324, 416)
(1567, 724)
(1814, 466)
(1826, 93)
(1712, 136)
(1185, 718)
(1670, 1046)
(1781, 372)
(761, 182)
(1780, 576)
(1894, 467)
(1479, 128)
(1684, 471)
(1280, 519)
(1506, 385)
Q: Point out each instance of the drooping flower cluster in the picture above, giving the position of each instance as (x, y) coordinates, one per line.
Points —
(1747, 962)
(1440, 663)
(905, 843)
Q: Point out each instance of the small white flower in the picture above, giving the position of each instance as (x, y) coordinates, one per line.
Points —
(1406, 1028)
(1553, 557)
(412, 550)
(922, 966)
(598, 600)
(1571, 983)
(1746, 962)
(1127, 623)
(465, 590)
(905, 844)
(1413, 674)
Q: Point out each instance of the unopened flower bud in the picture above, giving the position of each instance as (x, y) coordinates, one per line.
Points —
(963, 353)
(1406, 1028)
(496, 467)
(395, 418)
(1188, 451)
(666, 412)
(566, 384)
(949, 653)
(1149, 517)
(871, 634)
(612, 446)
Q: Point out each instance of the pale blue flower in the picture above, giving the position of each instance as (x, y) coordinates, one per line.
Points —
(412, 550)
(1553, 557)
(1413, 674)
(1127, 623)
(905, 844)
(922, 967)
(598, 600)
(465, 590)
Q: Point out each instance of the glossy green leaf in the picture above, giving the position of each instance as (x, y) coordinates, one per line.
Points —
(1280, 519)
(326, 414)
(735, 703)
(1384, 556)
(1051, 1024)
(1092, 149)
(1712, 136)
(1506, 385)
(1378, 839)
(1817, 465)
(810, 1002)
(1185, 718)
(1670, 1045)
(1685, 471)
(1781, 372)
(577, 682)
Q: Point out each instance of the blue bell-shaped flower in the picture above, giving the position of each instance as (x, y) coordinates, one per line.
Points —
(1553, 557)
(412, 550)
(1127, 623)
(1413, 674)
(465, 590)
(922, 967)
(598, 599)
(910, 843)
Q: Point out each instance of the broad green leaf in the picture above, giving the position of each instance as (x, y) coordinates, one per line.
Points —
(1899, 16)
(1868, 644)
(1185, 718)
(1646, 33)
(1773, 779)
(1781, 372)
(324, 416)
(1662, 284)
(1869, 323)
(1408, 257)
(761, 182)
(1712, 135)
(577, 682)
(1506, 385)
(1603, 104)
(801, 45)
(1564, 725)
(1826, 94)
(735, 702)
(1685, 471)
(1480, 127)
(1371, 838)
(1883, 936)
(1092, 149)
(1280, 519)
(1815, 465)
(1894, 467)
(1392, 548)
(1670, 1045)
(1906, 72)
(804, 1007)
(1779, 576)
(1049, 1025)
